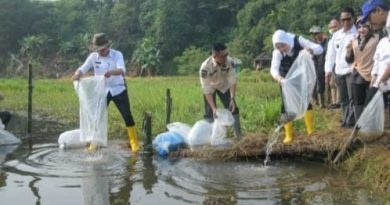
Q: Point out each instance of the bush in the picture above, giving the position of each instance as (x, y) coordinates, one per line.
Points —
(190, 60)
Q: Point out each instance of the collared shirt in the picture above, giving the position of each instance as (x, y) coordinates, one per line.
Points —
(115, 84)
(217, 77)
(337, 50)
(277, 55)
(381, 61)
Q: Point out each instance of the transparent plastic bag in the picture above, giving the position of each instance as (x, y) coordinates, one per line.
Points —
(200, 134)
(70, 139)
(6, 138)
(218, 136)
(298, 86)
(181, 129)
(372, 120)
(93, 109)
(167, 142)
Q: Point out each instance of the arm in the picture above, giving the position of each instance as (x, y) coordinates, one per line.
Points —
(386, 74)
(350, 55)
(120, 67)
(84, 68)
(313, 48)
(330, 59)
(275, 64)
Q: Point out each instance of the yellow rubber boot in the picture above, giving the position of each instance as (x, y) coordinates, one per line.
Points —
(133, 139)
(308, 117)
(288, 132)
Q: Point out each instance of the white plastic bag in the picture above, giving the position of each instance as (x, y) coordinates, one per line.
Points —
(298, 86)
(224, 118)
(70, 139)
(93, 109)
(372, 120)
(180, 128)
(6, 138)
(200, 133)
(2, 126)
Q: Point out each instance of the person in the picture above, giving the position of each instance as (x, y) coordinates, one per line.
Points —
(331, 88)
(286, 49)
(335, 56)
(109, 62)
(360, 53)
(5, 116)
(377, 13)
(218, 77)
(319, 63)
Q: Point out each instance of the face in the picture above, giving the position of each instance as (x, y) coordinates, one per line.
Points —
(377, 18)
(346, 20)
(104, 51)
(363, 30)
(282, 47)
(221, 56)
(334, 25)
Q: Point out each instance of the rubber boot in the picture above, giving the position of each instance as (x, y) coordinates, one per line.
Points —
(133, 139)
(92, 147)
(288, 133)
(308, 117)
(237, 126)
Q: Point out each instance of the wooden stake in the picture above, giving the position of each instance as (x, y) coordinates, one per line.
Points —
(29, 112)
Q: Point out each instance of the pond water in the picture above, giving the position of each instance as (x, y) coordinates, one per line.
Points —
(113, 175)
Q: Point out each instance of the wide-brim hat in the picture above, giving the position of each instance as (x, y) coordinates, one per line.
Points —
(100, 41)
(315, 29)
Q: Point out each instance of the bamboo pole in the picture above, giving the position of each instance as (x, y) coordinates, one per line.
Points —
(29, 111)
(168, 107)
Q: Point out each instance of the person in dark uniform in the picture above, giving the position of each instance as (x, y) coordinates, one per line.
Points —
(286, 49)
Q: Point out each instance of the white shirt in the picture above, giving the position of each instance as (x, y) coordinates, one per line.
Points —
(388, 25)
(115, 84)
(337, 50)
(381, 61)
(216, 77)
(277, 55)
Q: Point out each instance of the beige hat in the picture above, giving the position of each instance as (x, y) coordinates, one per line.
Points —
(315, 29)
(100, 41)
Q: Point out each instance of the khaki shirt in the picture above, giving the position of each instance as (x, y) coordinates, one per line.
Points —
(217, 77)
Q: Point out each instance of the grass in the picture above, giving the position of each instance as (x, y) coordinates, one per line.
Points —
(55, 99)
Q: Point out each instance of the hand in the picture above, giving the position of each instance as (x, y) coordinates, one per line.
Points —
(107, 74)
(280, 79)
(310, 50)
(214, 113)
(232, 105)
(76, 75)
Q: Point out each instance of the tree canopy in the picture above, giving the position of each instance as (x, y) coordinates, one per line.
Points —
(166, 36)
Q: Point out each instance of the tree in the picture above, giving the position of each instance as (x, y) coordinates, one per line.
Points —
(147, 57)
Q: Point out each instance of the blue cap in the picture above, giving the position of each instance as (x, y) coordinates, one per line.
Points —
(368, 7)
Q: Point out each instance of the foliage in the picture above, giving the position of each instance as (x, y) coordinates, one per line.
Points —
(147, 56)
(191, 59)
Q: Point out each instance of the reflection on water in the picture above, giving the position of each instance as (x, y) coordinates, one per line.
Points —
(48, 175)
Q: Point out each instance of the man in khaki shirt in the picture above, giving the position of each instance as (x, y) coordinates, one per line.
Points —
(218, 77)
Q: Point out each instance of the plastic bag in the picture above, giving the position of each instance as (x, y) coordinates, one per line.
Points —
(167, 142)
(2, 126)
(224, 118)
(6, 138)
(371, 123)
(298, 86)
(70, 139)
(200, 133)
(93, 109)
(181, 129)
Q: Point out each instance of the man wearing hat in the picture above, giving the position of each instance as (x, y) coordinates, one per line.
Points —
(319, 63)
(109, 62)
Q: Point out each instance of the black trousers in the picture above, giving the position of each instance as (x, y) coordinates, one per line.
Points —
(5, 117)
(359, 88)
(225, 99)
(123, 104)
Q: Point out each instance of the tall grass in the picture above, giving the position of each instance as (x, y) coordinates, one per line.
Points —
(257, 97)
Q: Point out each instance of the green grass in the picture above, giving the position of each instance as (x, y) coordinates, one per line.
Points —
(257, 97)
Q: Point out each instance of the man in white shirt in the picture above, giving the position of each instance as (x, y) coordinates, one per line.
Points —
(109, 62)
(336, 52)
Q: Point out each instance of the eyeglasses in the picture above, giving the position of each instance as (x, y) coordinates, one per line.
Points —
(346, 19)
